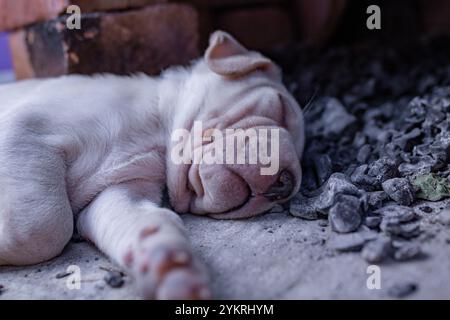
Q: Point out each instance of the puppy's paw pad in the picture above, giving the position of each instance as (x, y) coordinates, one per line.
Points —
(184, 284)
(166, 259)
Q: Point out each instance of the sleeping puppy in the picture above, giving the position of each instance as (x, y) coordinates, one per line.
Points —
(97, 153)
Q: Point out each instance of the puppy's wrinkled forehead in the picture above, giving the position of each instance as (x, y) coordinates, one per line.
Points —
(233, 83)
(231, 77)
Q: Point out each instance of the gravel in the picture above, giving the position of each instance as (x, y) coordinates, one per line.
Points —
(345, 214)
(114, 279)
(408, 251)
(377, 250)
(377, 141)
(399, 190)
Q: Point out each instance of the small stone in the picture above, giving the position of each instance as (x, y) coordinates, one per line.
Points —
(335, 117)
(383, 169)
(377, 250)
(432, 187)
(372, 221)
(376, 199)
(312, 208)
(360, 178)
(323, 168)
(345, 215)
(405, 230)
(397, 213)
(401, 290)
(364, 153)
(347, 242)
(444, 216)
(407, 251)
(399, 190)
(114, 279)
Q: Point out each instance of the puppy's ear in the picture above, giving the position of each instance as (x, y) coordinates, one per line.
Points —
(227, 57)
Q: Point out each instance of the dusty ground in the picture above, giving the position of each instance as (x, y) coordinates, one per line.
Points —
(275, 256)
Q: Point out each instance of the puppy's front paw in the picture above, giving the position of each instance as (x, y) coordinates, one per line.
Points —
(169, 271)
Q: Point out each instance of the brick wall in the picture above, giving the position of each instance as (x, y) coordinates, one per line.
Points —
(126, 36)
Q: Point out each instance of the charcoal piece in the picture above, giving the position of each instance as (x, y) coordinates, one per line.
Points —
(417, 110)
(114, 279)
(402, 289)
(432, 187)
(372, 221)
(345, 214)
(423, 167)
(376, 199)
(323, 168)
(359, 140)
(335, 118)
(347, 242)
(383, 169)
(312, 208)
(372, 131)
(308, 179)
(364, 154)
(377, 250)
(406, 141)
(407, 251)
(397, 213)
(395, 228)
(433, 117)
(399, 190)
(361, 179)
(351, 241)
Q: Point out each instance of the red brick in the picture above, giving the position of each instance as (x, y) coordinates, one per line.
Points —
(18, 13)
(436, 16)
(230, 3)
(317, 19)
(258, 28)
(104, 5)
(145, 40)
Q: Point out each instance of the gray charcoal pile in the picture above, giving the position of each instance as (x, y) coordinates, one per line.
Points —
(378, 141)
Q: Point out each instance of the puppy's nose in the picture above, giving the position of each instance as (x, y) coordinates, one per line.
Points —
(282, 188)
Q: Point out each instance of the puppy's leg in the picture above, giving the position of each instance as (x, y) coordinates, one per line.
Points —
(36, 220)
(146, 240)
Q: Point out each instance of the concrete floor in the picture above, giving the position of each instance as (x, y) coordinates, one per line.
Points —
(274, 256)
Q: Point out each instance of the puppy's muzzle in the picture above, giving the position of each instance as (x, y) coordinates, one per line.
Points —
(282, 188)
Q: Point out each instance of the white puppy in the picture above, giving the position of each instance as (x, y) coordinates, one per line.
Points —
(95, 152)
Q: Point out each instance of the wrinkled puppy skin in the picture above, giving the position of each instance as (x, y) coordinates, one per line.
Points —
(100, 150)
